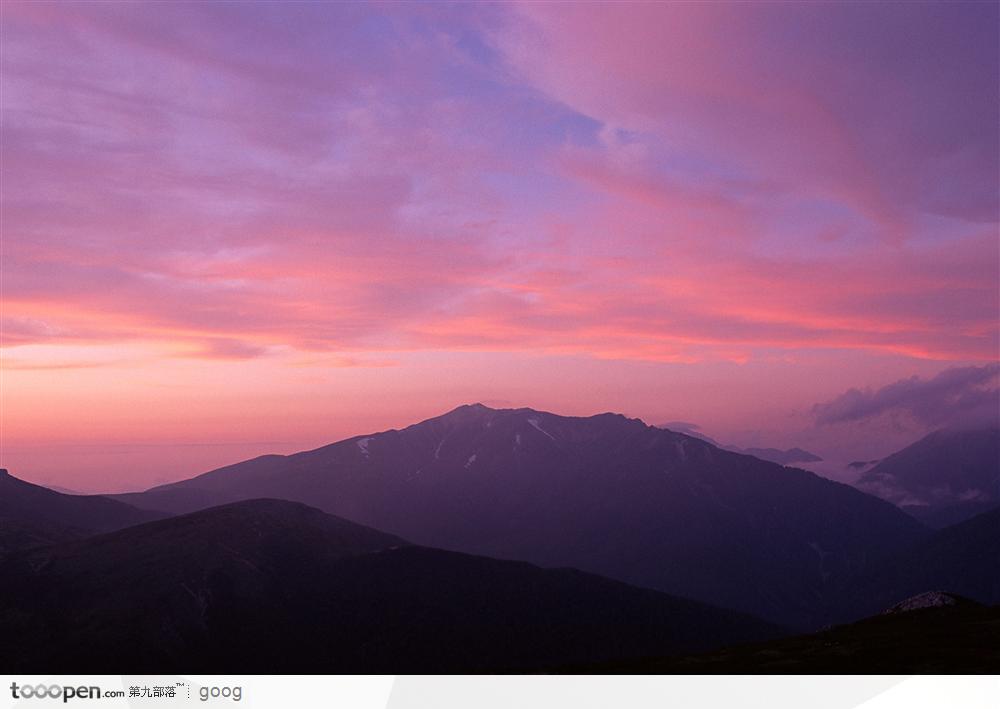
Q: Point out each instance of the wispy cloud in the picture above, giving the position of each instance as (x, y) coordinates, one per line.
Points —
(358, 192)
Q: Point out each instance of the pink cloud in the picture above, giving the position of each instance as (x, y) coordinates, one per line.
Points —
(791, 94)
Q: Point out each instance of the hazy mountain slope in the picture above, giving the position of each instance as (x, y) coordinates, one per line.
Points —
(775, 455)
(946, 476)
(605, 494)
(31, 515)
(962, 559)
(276, 586)
(783, 457)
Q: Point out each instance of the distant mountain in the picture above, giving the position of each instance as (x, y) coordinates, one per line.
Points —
(275, 586)
(606, 494)
(943, 478)
(690, 429)
(775, 455)
(962, 559)
(962, 637)
(31, 515)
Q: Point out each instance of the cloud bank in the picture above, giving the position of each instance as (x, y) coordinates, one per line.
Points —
(502, 178)
(961, 396)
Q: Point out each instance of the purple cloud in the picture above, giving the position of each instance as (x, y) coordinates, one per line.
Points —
(956, 397)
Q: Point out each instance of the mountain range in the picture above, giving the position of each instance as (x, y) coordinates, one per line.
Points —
(270, 585)
(478, 541)
(267, 586)
(605, 494)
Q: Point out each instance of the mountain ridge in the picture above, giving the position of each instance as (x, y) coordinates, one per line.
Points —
(32, 515)
(605, 494)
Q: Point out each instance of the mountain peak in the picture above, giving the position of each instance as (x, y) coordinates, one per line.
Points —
(480, 409)
(469, 409)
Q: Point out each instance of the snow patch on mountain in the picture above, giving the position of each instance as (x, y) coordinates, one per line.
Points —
(930, 599)
(363, 445)
(535, 424)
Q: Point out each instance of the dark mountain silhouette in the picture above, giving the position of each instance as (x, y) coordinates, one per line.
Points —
(964, 559)
(959, 638)
(606, 494)
(945, 477)
(276, 586)
(31, 515)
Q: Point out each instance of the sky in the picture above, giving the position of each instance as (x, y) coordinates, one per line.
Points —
(237, 228)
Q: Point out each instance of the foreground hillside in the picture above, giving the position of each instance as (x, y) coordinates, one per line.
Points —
(960, 639)
(277, 587)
